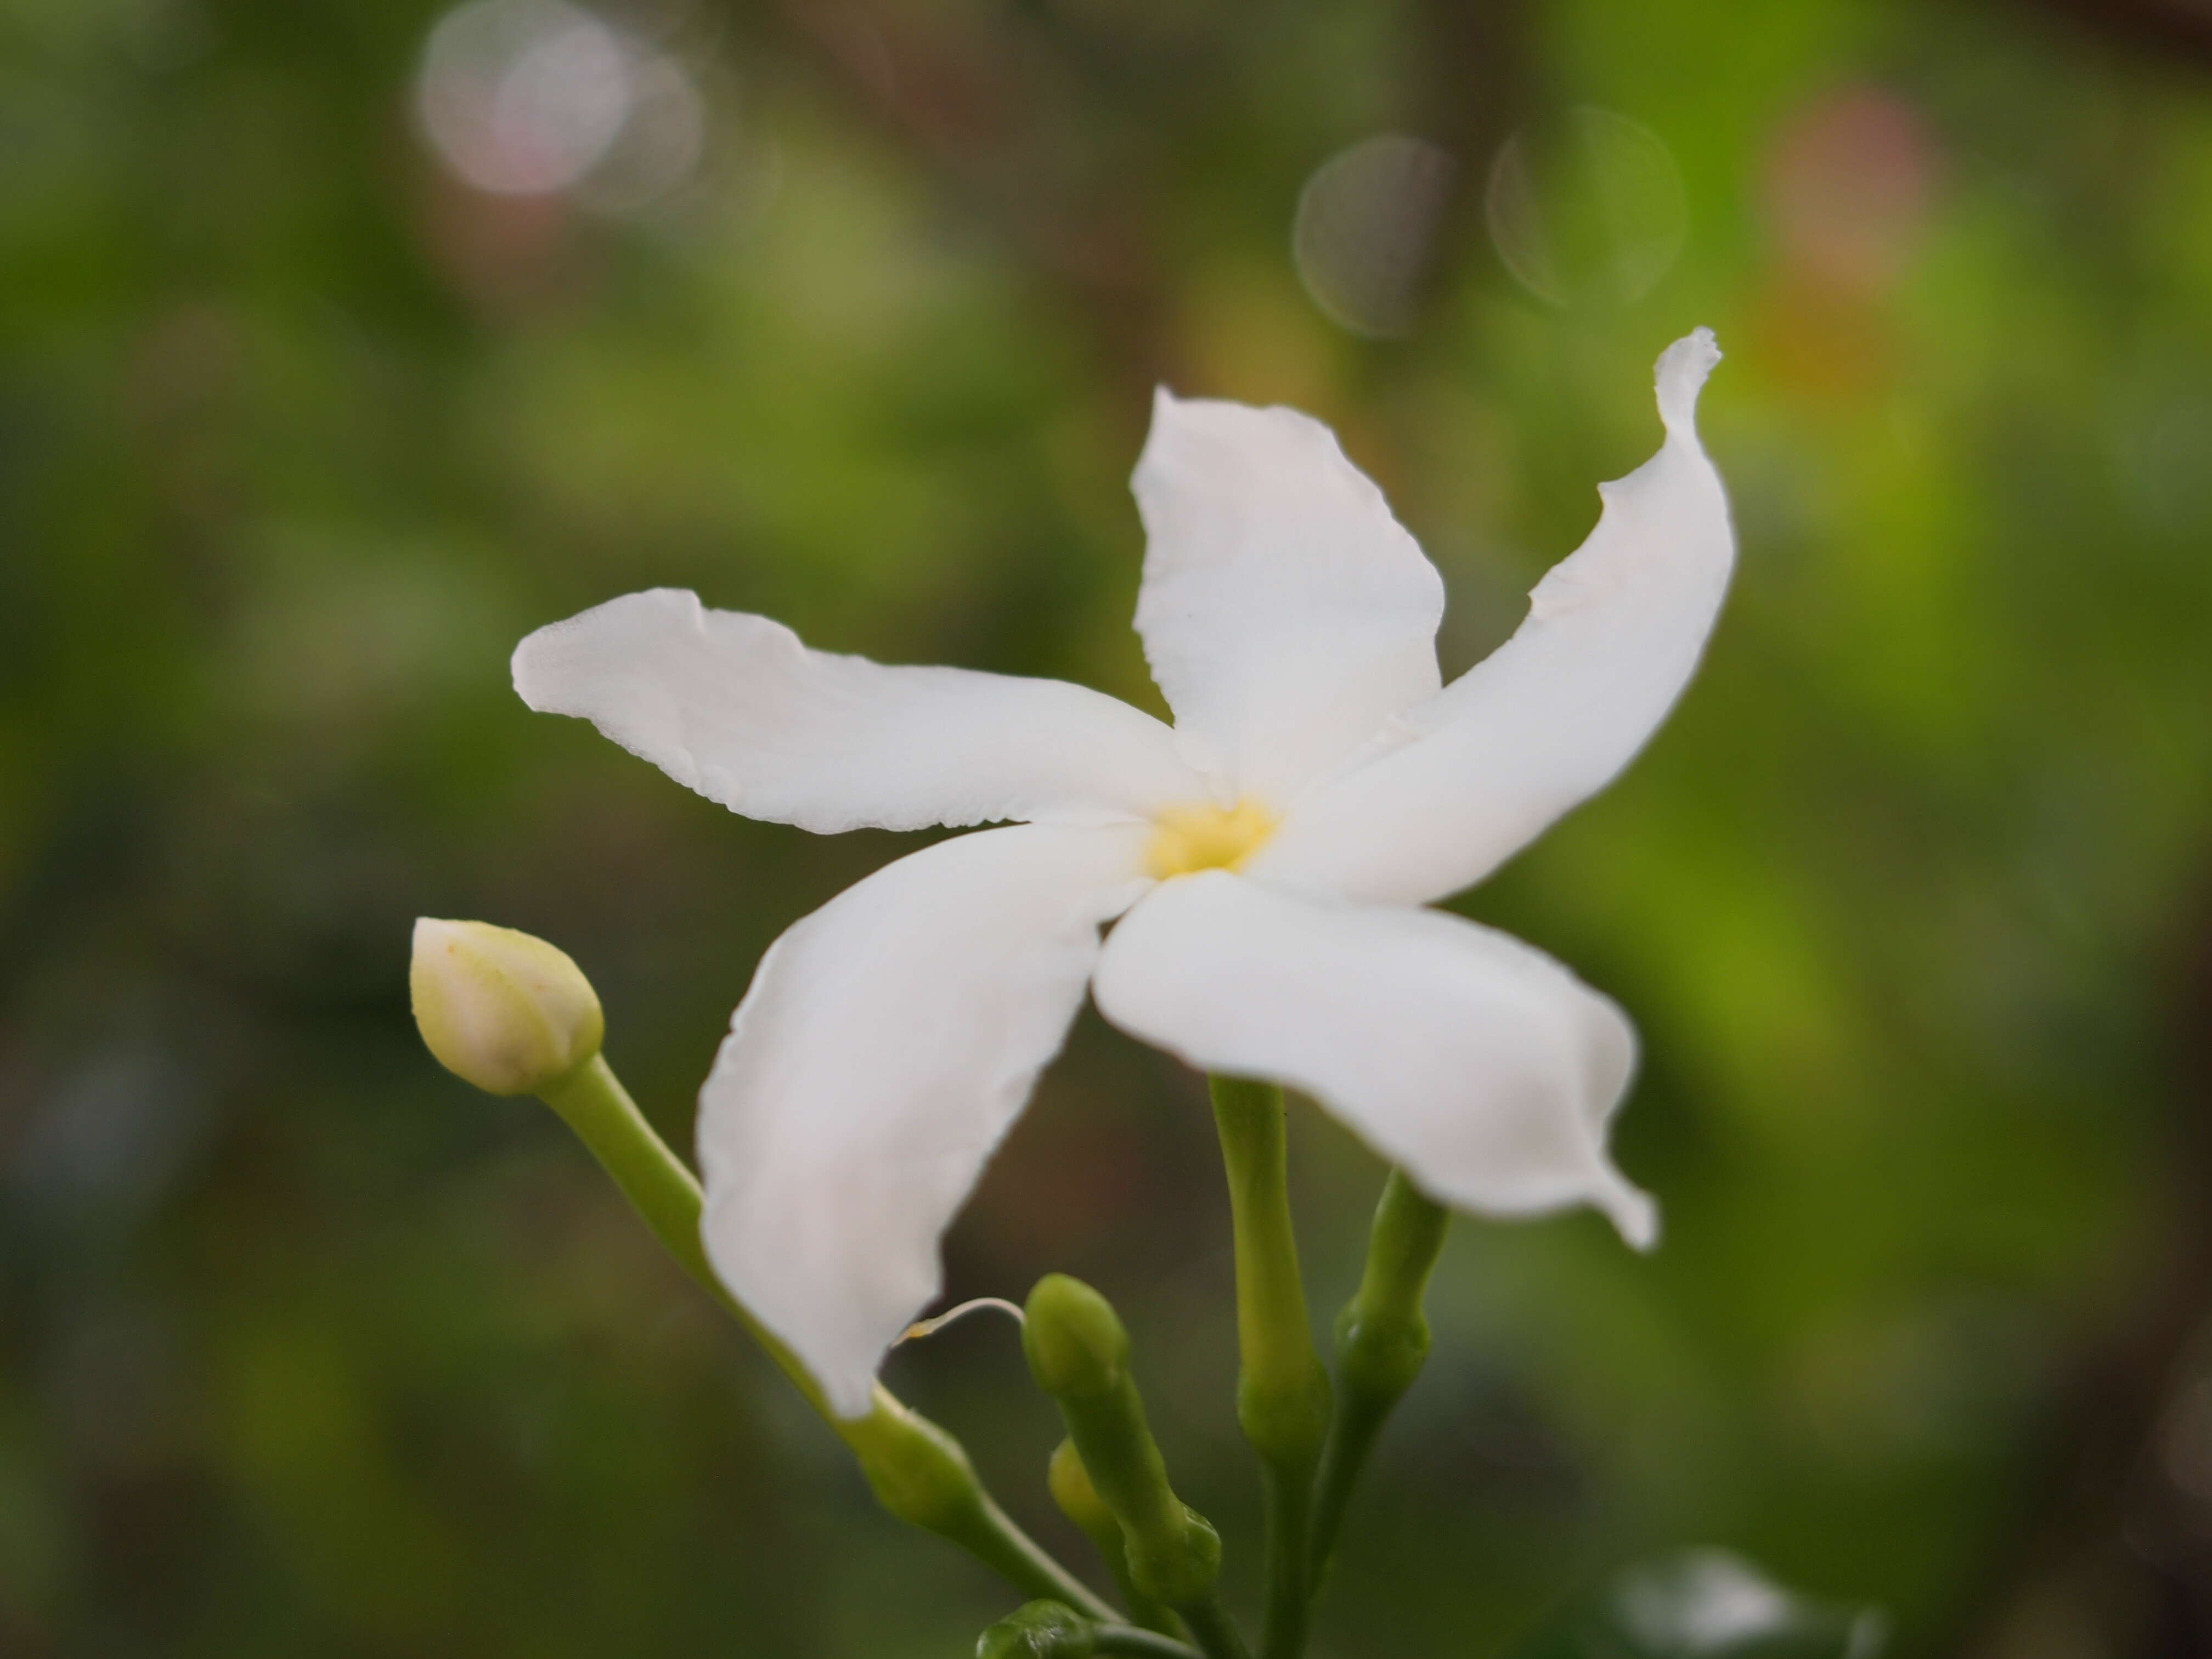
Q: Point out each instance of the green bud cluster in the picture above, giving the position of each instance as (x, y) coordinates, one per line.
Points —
(1079, 1353)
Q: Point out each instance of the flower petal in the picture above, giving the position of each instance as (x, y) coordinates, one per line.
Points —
(734, 706)
(1286, 613)
(1479, 1065)
(1613, 635)
(887, 1042)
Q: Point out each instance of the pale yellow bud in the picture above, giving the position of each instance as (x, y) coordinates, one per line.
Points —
(499, 1009)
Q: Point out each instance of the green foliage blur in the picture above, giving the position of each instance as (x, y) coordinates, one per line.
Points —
(306, 1348)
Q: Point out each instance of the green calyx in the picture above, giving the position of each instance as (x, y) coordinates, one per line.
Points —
(1037, 1629)
(1051, 1630)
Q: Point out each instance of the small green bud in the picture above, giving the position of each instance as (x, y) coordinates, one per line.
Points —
(499, 1009)
(1075, 1342)
(917, 1471)
(1078, 1500)
(1037, 1629)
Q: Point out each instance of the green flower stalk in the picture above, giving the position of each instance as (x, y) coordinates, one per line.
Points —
(1282, 1388)
(1079, 1352)
(1382, 1341)
(515, 1014)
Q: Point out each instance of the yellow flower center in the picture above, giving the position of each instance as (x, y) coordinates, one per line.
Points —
(1206, 838)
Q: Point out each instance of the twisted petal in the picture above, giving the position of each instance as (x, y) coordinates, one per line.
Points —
(1285, 612)
(734, 706)
(887, 1042)
(1481, 1066)
(1613, 635)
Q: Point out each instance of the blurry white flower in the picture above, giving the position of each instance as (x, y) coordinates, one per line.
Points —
(1271, 852)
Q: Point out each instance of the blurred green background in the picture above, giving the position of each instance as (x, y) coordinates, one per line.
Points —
(342, 344)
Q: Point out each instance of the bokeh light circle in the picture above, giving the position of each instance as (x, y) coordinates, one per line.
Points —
(1366, 227)
(660, 143)
(524, 97)
(1587, 209)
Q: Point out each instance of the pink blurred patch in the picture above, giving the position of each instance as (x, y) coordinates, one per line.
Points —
(1849, 185)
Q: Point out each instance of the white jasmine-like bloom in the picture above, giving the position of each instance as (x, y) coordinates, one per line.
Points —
(1268, 857)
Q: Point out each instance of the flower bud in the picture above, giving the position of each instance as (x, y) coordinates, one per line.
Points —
(499, 1009)
(1075, 1341)
(1069, 1483)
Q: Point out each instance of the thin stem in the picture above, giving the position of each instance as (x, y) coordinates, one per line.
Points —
(1282, 1388)
(592, 1102)
(1149, 1644)
(1287, 1493)
(1211, 1630)
(1382, 1341)
(917, 1471)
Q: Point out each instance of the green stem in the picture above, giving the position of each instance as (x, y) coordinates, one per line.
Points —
(1382, 1341)
(1211, 1629)
(916, 1470)
(1148, 1645)
(1282, 1388)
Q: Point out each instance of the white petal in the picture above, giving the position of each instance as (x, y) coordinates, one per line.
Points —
(1286, 613)
(734, 706)
(1613, 635)
(1481, 1066)
(887, 1042)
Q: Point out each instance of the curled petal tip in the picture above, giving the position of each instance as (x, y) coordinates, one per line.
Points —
(1634, 1214)
(1682, 370)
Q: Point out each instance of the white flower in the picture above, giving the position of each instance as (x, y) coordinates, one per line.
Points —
(1272, 852)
